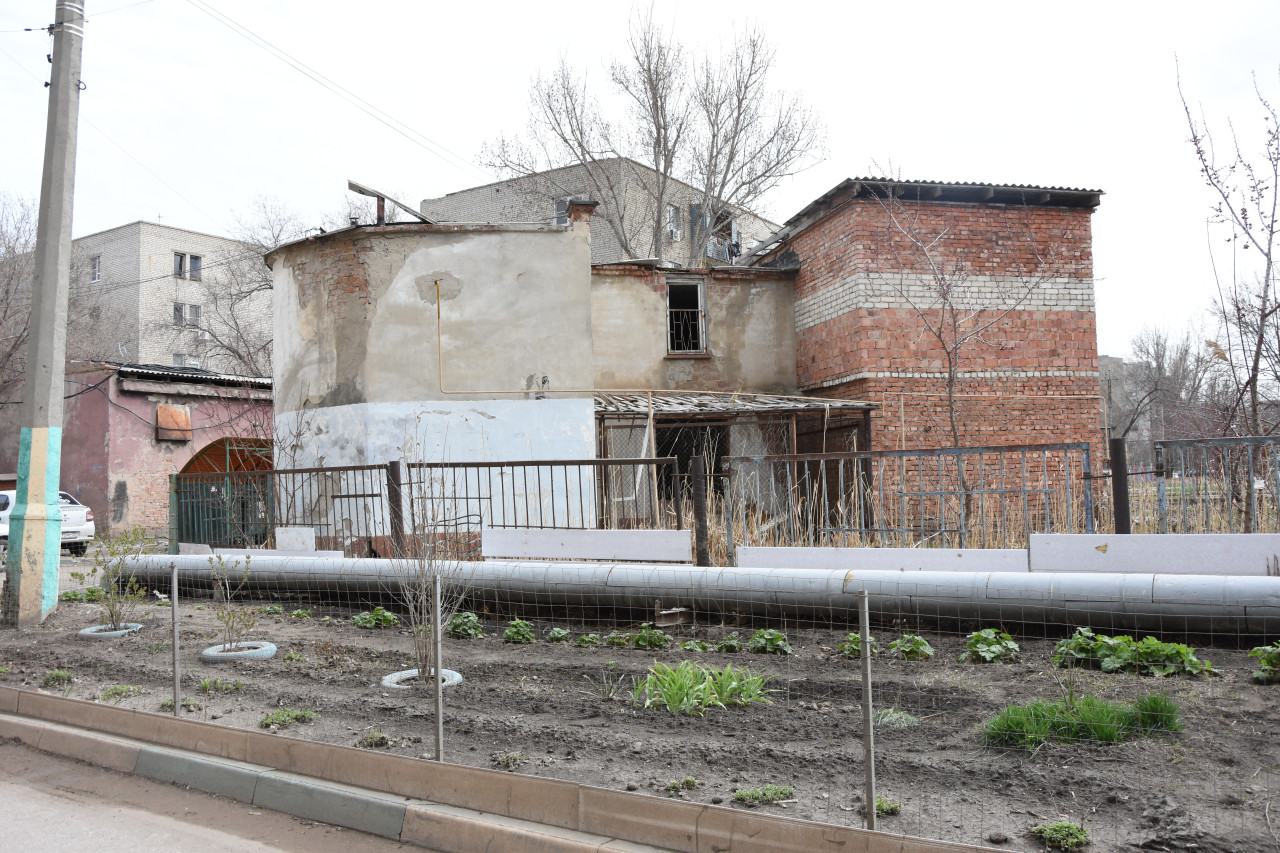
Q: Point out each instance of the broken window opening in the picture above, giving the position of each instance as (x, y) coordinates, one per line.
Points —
(686, 319)
(179, 265)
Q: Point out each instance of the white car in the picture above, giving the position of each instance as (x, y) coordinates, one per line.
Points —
(77, 522)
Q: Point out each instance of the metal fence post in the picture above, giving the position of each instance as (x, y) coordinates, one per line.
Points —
(173, 514)
(730, 548)
(173, 609)
(1162, 498)
(395, 506)
(868, 721)
(1120, 485)
(698, 476)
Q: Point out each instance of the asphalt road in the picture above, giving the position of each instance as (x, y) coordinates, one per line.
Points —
(50, 803)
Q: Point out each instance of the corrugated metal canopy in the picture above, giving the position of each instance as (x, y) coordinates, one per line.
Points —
(701, 403)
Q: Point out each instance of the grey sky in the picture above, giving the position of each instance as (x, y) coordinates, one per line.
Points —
(185, 121)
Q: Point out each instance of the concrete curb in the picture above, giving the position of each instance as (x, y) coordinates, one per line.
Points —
(449, 808)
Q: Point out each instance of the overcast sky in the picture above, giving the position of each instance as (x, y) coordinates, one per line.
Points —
(185, 121)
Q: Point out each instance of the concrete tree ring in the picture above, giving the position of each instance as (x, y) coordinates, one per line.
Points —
(104, 632)
(392, 681)
(247, 650)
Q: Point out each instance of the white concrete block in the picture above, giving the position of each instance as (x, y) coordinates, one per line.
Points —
(650, 546)
(887, 559)
(1170, 553)
(296, 538)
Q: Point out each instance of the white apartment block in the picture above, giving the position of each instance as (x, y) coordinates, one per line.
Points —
(174, 297)
(625, 205)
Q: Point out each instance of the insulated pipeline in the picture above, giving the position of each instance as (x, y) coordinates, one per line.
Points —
(1107, 601)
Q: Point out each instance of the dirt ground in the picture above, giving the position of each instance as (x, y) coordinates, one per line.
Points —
(539, 709)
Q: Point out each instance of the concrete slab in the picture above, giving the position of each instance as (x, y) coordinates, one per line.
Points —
(90, 747)
(1165, 554)
(27, 731)
(669, 824)
(650, 546)
(221, 776)
(296, 538)
(357, 808)
(886, 559)
(451, 829)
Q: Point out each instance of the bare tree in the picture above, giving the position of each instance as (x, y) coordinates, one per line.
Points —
(714, 124)
(1171, 379)
(1245, 186)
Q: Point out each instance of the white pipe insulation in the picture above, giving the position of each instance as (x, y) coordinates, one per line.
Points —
(1106, 601)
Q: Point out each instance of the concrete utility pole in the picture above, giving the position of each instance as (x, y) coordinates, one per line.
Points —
(35, 525)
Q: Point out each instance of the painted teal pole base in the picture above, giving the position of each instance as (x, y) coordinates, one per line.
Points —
(35, 530)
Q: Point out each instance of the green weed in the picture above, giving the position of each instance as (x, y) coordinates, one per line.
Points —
(464, 626)
(374, 619)
(273, 610)
(300, 613)
(851, 646)
(892, 718)
(286, 717)
(188, 704)
(1086, 719)
(1268, 671)
(519, 632)
(616, 640)
(886, 806)
(649, 637)
(911, 647)
(119, 692)
(989, 646)
(677, 786)
(764, 795)
(558, 635)
(769, 641)
(695, 646)
(507, 760)
(587, 641)
(1063, 835)
(90, 595)
(373, 739)
(730, 644)
(57, 678)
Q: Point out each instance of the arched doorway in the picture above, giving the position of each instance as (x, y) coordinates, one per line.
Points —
(224, 494)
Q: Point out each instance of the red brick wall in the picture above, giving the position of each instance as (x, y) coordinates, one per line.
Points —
(1029, 378)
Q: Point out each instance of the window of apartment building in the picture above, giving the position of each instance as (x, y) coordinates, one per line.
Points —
(95, 268)
(185, 314)
(722, 238)
(686, 318)
(673, 223)
(187, 266)
(182, 359)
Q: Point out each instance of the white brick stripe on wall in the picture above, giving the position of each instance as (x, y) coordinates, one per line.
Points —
(1008, 375)
(863, 290)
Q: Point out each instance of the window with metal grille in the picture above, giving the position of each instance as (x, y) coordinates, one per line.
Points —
(686, 319)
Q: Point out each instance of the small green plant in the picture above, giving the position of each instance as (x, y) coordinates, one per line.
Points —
(286, 717)
(217, 685)
(119, 692)
(376, 618)
(464, 626)
(558, 635)
(1085, 719)
(4, 669)
(911, 647)
(518, 632)
(886, 806)
(689, 688)
(57, 678)
(507, 760)
(609, 685)
(731, 644)
(229, 579)
(293, 657)
(300, 613)
(892, 718)
(587, 641)
(273, 610)
(769, 641)
(89, 595)
(1268, 671)
(763, 795)
(373, 739)
(649, 637)
(1149, 655)
(851, 646)
(1063, 835)
(188, 704)
(695, 646)
(678, 786)
(118, 591)
(989, 646)
(616, 640)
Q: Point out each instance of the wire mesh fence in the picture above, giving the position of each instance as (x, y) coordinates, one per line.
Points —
(993, 713)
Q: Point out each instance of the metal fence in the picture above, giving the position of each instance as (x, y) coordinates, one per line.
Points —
(1217, 485)
(987, 497)
(381, 510)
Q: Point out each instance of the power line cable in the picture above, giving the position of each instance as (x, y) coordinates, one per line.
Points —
(417, 137)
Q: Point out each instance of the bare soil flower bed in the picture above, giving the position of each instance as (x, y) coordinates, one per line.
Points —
(545, 709)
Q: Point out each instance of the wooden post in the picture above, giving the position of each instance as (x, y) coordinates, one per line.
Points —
(698, 474)
(395, 506)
